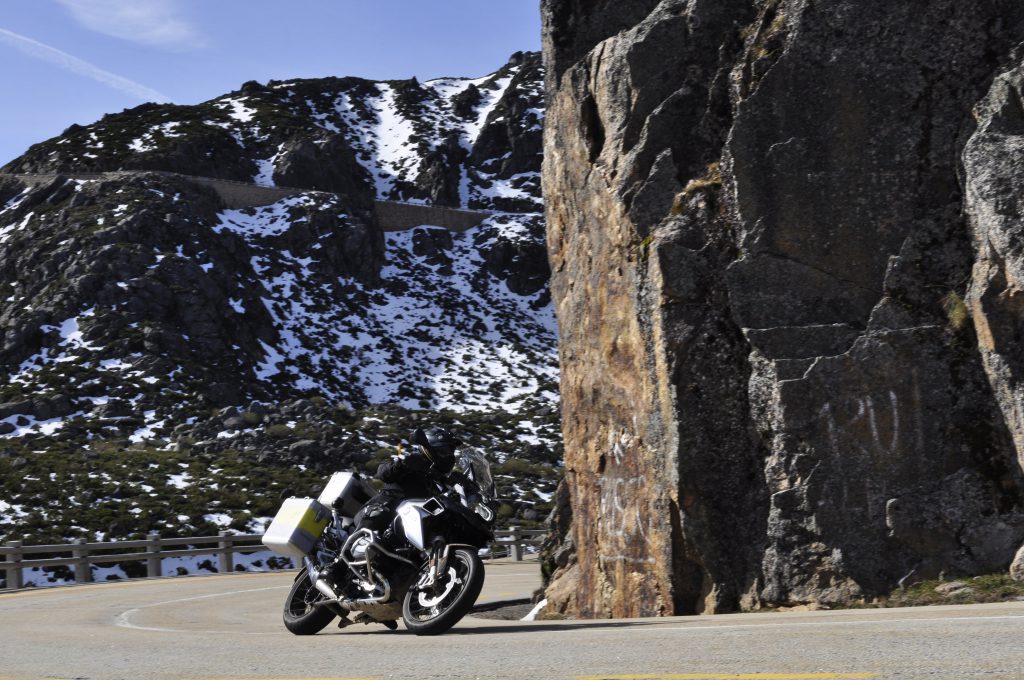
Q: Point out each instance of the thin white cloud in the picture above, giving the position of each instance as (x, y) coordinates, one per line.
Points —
(38, 50)
(150, 22)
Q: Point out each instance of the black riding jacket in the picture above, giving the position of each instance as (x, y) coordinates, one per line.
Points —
(407, 477)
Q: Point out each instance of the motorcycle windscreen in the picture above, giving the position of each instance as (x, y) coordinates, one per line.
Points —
(473, 463)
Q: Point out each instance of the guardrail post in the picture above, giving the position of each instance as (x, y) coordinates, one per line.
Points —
(227, 557)
(154, 561)
(515, 547)
(13, 566)
(83, 572)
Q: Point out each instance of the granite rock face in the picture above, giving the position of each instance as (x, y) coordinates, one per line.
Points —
(993, 177)
(772, 388)
(993, 202)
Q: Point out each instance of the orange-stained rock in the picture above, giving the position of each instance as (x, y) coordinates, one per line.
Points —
(771, 392)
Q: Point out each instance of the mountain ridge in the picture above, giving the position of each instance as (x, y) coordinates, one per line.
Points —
(138, 312)
(236, 136)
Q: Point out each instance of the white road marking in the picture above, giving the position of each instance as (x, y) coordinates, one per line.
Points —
(123, 619)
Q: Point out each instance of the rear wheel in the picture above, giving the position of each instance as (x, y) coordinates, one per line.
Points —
(301, 615)
(434, 610)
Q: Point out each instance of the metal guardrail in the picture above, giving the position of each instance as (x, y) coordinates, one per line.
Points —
(515, 540)
(85, 554)
(153, 550)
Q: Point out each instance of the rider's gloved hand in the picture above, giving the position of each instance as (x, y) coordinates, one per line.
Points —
(416, 462)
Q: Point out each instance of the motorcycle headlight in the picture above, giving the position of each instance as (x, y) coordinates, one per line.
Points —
(485, 512)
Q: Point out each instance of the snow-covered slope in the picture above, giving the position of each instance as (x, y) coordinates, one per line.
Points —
(437, 332)
(137, 312)
(150, 298)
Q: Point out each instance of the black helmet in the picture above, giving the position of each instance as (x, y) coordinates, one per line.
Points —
(438, 445)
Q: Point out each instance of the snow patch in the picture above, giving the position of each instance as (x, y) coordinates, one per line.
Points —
(148, 430)
(182, 480)
(238, 110)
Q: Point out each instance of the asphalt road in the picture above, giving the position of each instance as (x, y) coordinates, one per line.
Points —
(229, 627)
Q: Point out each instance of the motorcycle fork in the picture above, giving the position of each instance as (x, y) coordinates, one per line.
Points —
(438, 562)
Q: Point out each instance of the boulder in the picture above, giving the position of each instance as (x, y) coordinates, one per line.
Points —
(433, 245)
(441, 173)
(9, 188)
(523, 265)
(114, 408)
(325, 162)
(465, 103)
(558, 550)
(11, 408)
(1017, 566)
(304, 448)
(953, 588)
(234, 423)
(42, 409)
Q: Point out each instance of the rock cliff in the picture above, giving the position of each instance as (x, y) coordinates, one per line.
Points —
(786, 263)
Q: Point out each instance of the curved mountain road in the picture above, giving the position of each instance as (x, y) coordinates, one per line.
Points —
(229, 627)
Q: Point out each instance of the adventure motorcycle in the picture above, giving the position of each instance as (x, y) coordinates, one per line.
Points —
(425, 568)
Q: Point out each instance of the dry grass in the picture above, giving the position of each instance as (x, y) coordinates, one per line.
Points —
(956, 310)
(711, 178)
(987, 588)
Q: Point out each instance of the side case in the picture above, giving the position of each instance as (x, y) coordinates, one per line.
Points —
(296, 527)
(347, 493)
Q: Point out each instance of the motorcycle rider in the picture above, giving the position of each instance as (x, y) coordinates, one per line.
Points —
(409, 476)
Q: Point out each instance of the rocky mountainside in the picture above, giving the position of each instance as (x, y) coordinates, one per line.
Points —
(786, 246)
(137, 310)
(453, 141)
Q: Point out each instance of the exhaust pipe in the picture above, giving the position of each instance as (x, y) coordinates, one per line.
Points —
(335, 600)
(324, 587)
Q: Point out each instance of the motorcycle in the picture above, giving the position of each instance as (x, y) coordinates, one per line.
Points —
(425, 568)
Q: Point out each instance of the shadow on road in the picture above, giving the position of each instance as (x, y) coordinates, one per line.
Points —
(511, 627)
(515, 627)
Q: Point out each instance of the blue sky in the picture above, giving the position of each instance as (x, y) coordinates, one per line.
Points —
(71, 61)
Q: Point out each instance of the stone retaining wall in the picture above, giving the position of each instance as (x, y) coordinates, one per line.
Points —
(391, 215)
(394, 216)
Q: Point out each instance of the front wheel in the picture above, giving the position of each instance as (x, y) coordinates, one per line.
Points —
(301, 615)
(434, 610)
